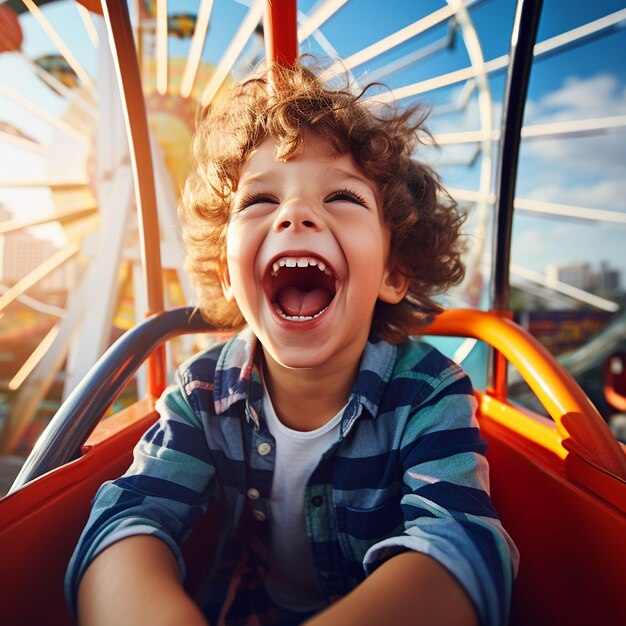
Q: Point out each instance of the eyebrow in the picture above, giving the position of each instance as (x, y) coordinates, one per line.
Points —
(268, 175)
(358, 179)
(259, 177)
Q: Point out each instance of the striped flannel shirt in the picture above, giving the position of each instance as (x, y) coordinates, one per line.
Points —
(408, 472)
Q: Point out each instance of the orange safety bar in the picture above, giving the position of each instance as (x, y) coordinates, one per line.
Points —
(583, 429)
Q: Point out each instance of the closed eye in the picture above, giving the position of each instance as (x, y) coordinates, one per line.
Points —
(254, 199)
(346, 195)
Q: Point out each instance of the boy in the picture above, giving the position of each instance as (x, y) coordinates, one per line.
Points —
(345, 456)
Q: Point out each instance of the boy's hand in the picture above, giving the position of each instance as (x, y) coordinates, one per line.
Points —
(133, 582)
(410, 589)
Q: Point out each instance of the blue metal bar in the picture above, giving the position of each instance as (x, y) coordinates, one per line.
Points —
(521, 58)
(523, 40)
(64, 436)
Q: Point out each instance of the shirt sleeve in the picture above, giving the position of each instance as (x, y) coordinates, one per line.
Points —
(447, 510)
(165, 489)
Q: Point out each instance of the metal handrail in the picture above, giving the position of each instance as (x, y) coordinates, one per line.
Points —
(62, 439)
(518, 75)
(520, 62)
(126, 63)
(582, 428)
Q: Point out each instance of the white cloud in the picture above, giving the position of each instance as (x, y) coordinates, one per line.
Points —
(603, 194)
(582, 171)
(600, 95)
(567, 158)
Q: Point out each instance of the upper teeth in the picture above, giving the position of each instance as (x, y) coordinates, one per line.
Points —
(299, 261)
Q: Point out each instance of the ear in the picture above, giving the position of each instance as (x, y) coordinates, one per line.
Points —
(394, 286)
(225, 280)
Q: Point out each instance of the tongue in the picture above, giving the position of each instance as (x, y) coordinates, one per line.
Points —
(294, 301)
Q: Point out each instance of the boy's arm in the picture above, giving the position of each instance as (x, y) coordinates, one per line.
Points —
(135, 581)
(168, 486)
(453, 560)
(411, 589)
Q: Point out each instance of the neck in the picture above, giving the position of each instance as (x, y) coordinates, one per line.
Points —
(306, 399)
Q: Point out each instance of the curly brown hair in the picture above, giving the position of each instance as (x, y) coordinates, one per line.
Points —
(286, 105)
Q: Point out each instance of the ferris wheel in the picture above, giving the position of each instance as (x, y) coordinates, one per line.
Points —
(64, 145)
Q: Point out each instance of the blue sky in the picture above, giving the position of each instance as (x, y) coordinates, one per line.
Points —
(584, 82)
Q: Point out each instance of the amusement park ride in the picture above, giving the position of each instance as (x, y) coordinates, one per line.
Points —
(558, 477)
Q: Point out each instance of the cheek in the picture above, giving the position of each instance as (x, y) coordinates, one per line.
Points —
(235, 262)
(241, 252)
(235, 247)
(372, 249)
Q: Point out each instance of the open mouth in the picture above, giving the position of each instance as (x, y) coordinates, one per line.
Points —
(300, 288)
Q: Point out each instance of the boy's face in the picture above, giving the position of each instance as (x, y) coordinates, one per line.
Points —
(308, 255)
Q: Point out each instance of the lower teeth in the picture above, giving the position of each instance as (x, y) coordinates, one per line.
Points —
(297, 318)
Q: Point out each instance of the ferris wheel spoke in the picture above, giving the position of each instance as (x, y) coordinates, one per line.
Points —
(580, 35)
(569, 128)
(161, 47)
(576, 36)
(586, 127)
(44, 115)
(35, 357)
(540, 207)
(325, 11)
(71, 95)
(61, 216)
(40, 272)
(195, 52)
(37, 305)
(39, 380)
(395, 39)
(569, 211)
(564, 289)
(22, 142)
(55, 184)
(90, 27)
(105, 251)
(412, 58)
(60, 44)
(237, 44)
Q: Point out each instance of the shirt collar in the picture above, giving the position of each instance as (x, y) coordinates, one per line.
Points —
(236, 374)
(238, 378)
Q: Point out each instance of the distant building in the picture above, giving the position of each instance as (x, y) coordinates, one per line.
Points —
(607, 280)
(582, 275)
(576, 275)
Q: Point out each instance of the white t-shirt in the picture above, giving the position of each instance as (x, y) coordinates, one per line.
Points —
(291, 582)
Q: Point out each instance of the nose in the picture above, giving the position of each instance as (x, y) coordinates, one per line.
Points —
(297, 214)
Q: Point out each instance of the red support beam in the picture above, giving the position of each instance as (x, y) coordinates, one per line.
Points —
(281, 32)
(129, 82)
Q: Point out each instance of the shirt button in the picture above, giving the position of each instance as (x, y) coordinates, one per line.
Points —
(253, 494)
(264, 448)
(316, 500)
(259, 516)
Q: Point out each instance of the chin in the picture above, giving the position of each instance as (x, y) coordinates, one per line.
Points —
(299, 355)
(297, 358)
